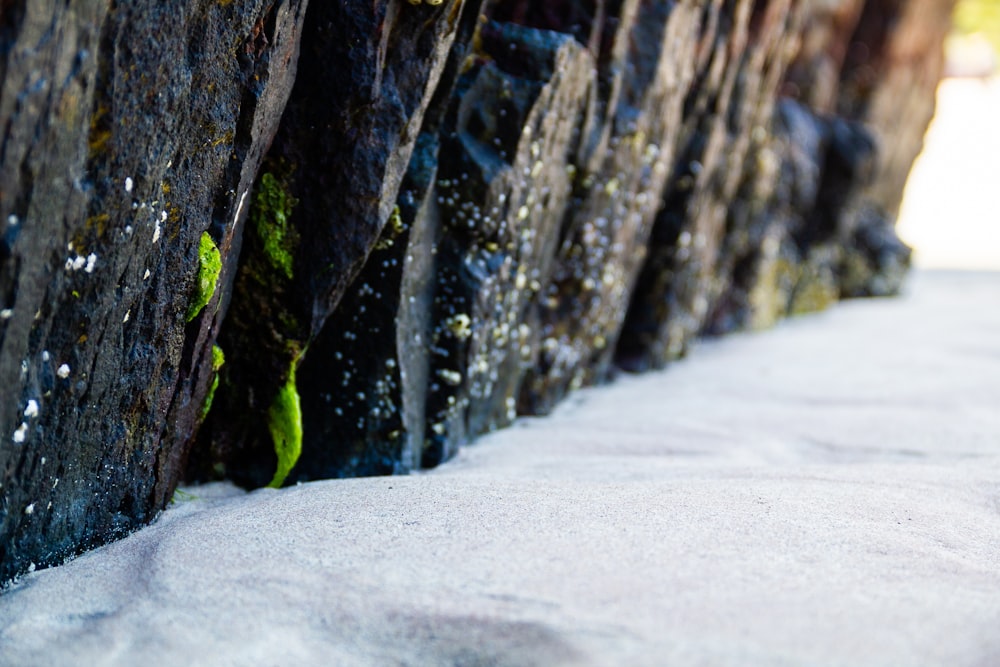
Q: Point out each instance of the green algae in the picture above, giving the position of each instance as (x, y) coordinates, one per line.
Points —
(218, 359)
(270, 216)
(209, 268)
(284, 421)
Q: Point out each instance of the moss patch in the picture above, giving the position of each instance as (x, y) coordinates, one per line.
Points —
(269, 216)
(218, 359)
(284, 420)
(209, 267)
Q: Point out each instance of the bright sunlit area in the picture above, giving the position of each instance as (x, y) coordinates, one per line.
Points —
(951, 209)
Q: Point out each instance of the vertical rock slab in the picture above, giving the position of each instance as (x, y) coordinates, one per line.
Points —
(130, 132)
(367, 367)
(645, 68)
(802, 242)
(892, 66)
(509, 148)
(469, 209)
(367, 75)
(744, 49)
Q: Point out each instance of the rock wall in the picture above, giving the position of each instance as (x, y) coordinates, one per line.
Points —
(274, 242)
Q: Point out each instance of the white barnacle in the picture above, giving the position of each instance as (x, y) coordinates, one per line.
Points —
(91, 261)
(63, 371)
(459, 325)
(31, 409)
(75, 263)
(156, 232)
(128, 184)
(30, 510)
(453, 378)
(6, 313)
(21, 433)
(12, 220)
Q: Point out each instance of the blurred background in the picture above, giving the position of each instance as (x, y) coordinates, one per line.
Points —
(951, 208)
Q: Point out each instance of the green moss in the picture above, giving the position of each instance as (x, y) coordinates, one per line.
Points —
(284, 420)
(269, 216)
(218, 359)
(813, 293)
(393, 228)
(770, 293)
(209, 267)
(181, 496)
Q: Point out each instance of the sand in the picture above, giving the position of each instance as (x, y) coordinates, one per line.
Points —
(826, 493)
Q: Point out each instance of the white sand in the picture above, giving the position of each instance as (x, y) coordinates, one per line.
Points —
(827, 493)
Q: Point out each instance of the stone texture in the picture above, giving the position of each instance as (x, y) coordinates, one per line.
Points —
(367, 75)
(691, 255)
(128, 131)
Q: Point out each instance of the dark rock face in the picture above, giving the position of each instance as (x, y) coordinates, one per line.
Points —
(367, 75)
(129, 131)
(695, 239)
(467, 210)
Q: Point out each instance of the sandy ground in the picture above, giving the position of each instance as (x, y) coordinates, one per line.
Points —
(827, 493)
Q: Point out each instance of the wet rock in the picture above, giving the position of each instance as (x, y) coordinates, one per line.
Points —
(894, 62)
(365, 377)
(808, 235)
